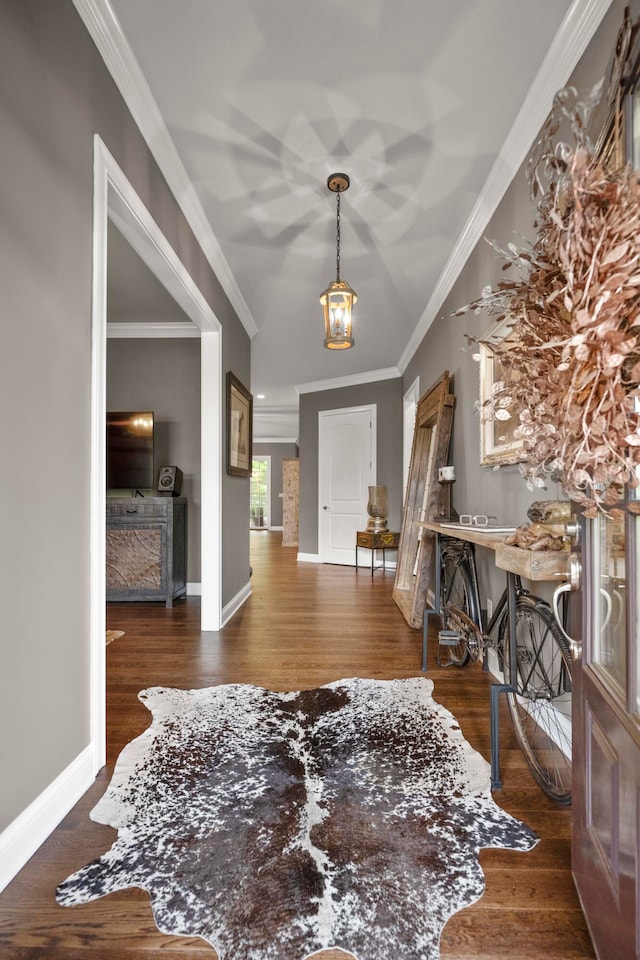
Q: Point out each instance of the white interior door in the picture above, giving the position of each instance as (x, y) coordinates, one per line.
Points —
(347, 467)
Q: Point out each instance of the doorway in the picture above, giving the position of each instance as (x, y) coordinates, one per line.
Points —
(260, 493)
(409, 408)
(115, 200)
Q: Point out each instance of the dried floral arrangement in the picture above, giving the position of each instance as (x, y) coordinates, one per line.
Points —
(572, 364)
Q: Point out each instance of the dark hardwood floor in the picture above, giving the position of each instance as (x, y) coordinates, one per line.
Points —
(304, 625)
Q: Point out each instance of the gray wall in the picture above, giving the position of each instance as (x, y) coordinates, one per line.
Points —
(387, 396)
(277, 451)
(56, 93)
(164, 376)
(481, 489)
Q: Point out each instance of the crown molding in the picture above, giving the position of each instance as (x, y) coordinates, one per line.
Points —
(106, 32)
(156, 330)
(289, 440)
(260, 407)
(388, 373)
(576, 31)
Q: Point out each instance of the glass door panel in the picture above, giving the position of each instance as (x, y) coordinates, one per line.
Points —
(610, 604)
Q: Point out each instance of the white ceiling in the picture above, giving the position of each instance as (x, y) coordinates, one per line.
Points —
(428, 105)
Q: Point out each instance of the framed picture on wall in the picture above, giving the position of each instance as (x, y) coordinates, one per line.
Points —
(239, 428)
(497, 442)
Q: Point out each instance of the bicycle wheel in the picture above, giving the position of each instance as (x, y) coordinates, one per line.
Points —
(458, 608)
(541, 706)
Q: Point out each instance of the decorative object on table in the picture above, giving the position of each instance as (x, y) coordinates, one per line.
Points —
(572, 364)
(549, 511)
(548, 527)
(377, 509)
(169, 481)
(239, 428)
(338, 299)
(282, 824)
(446, 478)
(423, 499)
(536, 536)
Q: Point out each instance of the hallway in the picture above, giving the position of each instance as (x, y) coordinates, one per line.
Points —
(304, 625)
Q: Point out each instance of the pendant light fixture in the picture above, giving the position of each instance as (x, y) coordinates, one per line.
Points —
(338, 299)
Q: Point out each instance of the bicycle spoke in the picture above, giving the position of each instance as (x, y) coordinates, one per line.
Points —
(458, 608)
(540, 678)
(540, 708)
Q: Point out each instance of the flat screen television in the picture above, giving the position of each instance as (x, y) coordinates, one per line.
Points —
(130, 450)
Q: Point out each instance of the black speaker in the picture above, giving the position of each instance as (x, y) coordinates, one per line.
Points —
(170, 481)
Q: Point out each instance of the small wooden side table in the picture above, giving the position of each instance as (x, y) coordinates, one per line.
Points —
(383, 540)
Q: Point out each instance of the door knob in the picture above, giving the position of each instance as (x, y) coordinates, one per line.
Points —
(572, 529)
(574, 573)
(325, 507)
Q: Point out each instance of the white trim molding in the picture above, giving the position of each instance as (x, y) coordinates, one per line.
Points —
(20, 840)
(102, 23)
(154, 330)
(354, 380)
(308, 558)
(211, 391)
(116, 200)
(409, 408)
(576, 30)
(274, 440)
(235, 603)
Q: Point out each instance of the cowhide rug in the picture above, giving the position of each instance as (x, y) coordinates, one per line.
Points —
(277, 825)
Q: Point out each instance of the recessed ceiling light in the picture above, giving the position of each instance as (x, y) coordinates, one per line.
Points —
(260, 396)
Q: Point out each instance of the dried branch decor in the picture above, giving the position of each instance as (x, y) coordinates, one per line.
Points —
(572, 363)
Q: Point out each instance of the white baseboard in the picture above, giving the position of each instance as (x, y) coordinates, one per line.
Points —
(31, 828)
(309, 558)
(234, 604)
(276, 528)
(194, 589)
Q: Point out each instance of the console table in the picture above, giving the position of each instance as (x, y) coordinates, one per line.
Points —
(146, 548)
(515, 561)
(371, 540)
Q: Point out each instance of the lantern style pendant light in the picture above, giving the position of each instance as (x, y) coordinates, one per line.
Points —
(338, 299)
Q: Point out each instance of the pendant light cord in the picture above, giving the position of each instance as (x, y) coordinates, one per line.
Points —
(338, 236)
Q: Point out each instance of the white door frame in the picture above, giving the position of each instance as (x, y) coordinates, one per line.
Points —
(409, 407)
(372, 409)
(115, 199)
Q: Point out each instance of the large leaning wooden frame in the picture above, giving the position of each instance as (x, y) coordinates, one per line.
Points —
(430, 451)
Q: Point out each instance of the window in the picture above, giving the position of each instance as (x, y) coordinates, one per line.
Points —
(260, 492)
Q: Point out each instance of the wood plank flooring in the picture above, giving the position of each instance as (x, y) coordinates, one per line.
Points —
(304, 625)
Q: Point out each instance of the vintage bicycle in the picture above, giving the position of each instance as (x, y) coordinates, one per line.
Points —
(538, 683)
